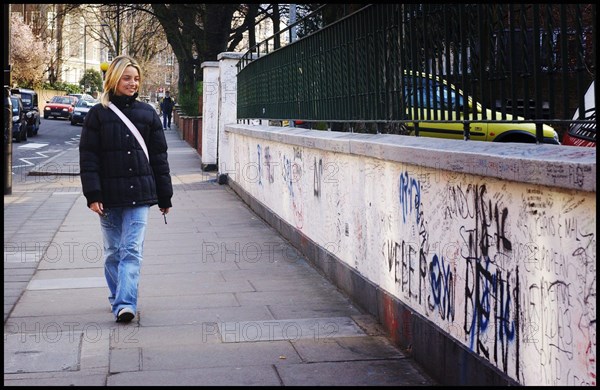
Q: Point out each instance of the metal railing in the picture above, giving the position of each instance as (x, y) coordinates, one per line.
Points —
(534, 61)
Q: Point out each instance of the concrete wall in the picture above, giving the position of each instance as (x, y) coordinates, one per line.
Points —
(478, 258)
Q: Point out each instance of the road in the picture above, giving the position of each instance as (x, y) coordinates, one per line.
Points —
(54, 136)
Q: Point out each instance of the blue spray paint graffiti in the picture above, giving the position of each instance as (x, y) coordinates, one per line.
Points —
(407, 186)
(442, 288)
(488, 295)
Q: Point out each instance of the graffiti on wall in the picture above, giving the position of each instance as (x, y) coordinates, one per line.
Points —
(503, 315)
(506, 269)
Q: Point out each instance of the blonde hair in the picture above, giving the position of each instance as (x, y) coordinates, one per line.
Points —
(113, 75)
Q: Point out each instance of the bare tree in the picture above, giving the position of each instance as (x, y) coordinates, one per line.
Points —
(199, 32)
(196, 33)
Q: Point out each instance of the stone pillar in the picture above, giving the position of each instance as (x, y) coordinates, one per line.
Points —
(227, 108)
(210, 115)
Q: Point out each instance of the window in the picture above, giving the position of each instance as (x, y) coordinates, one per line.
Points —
(431, 94)
(26, 99)
(51, 20)
(34, 17)
(15, 105)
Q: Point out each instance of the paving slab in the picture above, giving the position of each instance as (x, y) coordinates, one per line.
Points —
(207, 376)
(292, 329)
(398, 372)
(48, 350)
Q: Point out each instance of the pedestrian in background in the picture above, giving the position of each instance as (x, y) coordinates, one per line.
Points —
(121, 181)
(166, 107)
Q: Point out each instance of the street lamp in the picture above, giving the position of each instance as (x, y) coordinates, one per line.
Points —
(103, 68)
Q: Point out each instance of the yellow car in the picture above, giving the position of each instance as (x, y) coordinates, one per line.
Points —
(433, 101)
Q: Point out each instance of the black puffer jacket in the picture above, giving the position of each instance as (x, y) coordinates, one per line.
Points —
(114, 169)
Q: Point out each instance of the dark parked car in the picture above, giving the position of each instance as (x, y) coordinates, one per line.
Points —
(30, 105)
(60, 107)
(19, 122)
(81, 108)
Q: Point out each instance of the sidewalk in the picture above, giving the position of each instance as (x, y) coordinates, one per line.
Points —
(223, 299)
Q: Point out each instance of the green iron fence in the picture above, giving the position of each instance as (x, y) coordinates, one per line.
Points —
(531, 60)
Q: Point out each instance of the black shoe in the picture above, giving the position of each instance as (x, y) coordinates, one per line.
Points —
(125, 315)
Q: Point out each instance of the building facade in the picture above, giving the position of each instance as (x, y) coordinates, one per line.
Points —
(81, 38)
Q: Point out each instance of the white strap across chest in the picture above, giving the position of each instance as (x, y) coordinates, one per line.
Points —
(132, 128)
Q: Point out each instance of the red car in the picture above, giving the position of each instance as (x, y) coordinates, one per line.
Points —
(584, 134)
(60, 107)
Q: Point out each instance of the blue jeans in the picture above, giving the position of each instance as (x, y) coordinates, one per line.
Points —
(167, 119)
(123, 229)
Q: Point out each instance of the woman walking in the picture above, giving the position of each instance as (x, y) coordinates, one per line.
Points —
(123, 174)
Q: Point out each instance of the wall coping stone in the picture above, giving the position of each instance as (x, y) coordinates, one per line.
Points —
(231, 55)
(570, 167)
(207, 64)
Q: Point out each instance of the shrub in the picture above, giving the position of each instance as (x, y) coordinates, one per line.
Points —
(62, 86)
(189, 100)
